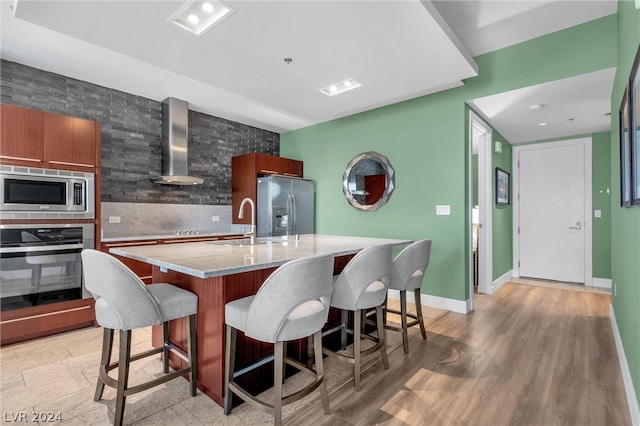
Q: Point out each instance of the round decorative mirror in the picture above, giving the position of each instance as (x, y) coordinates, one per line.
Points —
(368, 181)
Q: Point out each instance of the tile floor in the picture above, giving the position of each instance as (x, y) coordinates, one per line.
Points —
(58, 374)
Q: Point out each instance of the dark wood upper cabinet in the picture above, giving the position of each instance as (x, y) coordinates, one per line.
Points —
(273, 165)
(245, 170)
(40, 139)
(22, 136)
(69, 141)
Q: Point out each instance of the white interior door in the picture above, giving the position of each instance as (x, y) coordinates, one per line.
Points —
(553, 212)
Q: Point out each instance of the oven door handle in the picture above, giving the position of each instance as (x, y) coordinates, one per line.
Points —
(41, 248)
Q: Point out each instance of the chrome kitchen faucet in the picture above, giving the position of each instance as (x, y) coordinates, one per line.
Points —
(252, 233)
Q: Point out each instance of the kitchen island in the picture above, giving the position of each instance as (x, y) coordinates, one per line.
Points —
(222, 271)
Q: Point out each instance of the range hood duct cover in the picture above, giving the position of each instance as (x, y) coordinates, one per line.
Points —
(175, 150)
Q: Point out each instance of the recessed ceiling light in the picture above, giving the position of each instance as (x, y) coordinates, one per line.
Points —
(341, 87)
(199, 17)
(536, 107)
(207, 6)
(543, 124)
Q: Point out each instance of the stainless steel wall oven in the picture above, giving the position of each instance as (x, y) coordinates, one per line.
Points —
(41, 264)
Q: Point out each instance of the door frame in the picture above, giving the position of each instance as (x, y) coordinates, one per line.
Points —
(485, 206)
(586, 142)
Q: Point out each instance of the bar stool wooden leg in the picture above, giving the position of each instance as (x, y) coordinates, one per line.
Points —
(107, 347)
(317, 343)
(229, 362)
(192, 352)
(403, 316)
(165, 347)
(343, 332)
(278, 367)
(123, 375)
(357, 356)
(310, 351)
(419, 314)
(382, 336)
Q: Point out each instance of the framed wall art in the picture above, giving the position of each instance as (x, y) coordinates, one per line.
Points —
(634, 99)
(503, 183)
(625, 150)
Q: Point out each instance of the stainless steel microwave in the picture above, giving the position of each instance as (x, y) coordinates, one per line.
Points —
(33, 193)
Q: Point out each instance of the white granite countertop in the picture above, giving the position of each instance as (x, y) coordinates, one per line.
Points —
(165, 236)
(217, 258)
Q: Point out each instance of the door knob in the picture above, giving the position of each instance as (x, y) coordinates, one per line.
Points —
(577, 227)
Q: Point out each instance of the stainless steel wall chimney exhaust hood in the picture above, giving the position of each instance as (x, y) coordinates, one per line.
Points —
(175, 150)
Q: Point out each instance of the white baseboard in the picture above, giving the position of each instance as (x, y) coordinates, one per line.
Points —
(502, 280)
(632, 400)
(453, 305)
(602, 282)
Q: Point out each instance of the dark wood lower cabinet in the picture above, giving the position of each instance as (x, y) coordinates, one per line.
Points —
(213, 294)
(24, 324)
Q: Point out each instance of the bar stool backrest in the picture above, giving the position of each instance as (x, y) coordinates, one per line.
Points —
(122, 301)
(293, 302)
(363, 282)
(408, 267)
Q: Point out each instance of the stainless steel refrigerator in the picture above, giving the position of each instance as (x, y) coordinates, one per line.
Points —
(285, 206)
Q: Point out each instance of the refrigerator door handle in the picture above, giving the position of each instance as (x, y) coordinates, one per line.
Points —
(294, 225)
(289, 214)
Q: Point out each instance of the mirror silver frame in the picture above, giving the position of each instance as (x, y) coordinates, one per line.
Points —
(390, 181)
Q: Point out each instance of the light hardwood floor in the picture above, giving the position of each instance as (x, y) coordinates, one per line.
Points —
(528, 355)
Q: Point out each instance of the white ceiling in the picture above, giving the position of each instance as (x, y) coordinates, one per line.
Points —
(398, 49)
(487, 25)
(572, 106)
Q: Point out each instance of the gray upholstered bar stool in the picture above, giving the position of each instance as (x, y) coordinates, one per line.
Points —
(124, 303)
(291, 304)
(407, 273)
(362, 285)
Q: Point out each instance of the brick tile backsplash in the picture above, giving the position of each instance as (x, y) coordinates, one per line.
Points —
(130, 134)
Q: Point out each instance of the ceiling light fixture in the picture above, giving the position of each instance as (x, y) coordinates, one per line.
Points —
(207, 6)
(193, 18)
(341, 87)
(543, 124)
(199, 17)
(536, 107)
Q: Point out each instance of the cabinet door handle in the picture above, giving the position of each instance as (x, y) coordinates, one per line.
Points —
(35, 160)
(116, 245)
(71, 164)
(268, 172)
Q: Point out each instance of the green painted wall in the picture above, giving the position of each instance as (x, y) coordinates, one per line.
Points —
(601, 200)
(425, 140)
(502, 215)
(625, 226)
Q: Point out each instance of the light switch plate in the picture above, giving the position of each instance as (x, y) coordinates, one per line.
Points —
(443, 210)
(114, 219)
(215, 218)
(597, 213)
